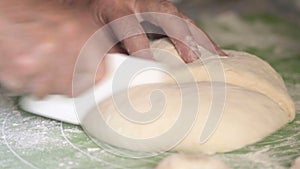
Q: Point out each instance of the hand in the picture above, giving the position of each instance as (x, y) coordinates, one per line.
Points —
(39, 45)
(40, 40)
(174, 25)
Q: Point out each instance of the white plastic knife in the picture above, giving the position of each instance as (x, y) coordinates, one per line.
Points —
(63, 108)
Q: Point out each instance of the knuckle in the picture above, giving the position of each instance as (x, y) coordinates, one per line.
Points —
(168, 7)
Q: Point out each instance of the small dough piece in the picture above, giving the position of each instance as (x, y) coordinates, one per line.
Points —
(256, 105)
(191, 161)
(296, 163)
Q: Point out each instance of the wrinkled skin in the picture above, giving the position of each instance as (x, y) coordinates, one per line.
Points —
(40, 40)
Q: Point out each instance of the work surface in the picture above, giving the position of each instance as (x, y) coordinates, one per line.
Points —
(28, 141)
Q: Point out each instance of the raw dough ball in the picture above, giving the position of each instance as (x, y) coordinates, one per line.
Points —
(191, 161)
(248, 117)
(240, 68)
(256, 104)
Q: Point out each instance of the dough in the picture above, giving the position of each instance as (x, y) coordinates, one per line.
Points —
(296, 163)
(253, 104)
(191, 161)
(240, 68)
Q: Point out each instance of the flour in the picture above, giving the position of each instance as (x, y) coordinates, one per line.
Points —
(275, 152)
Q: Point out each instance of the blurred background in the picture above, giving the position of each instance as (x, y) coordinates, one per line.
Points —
(268, 28)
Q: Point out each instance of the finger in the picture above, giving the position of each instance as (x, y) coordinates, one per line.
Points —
(129, 31)
(204, 41)
(16, 73)
(117, 49)
(138, 46)
(167, 17)
(185, 51)
(100, 71)
(181, 37)
(40, 86)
